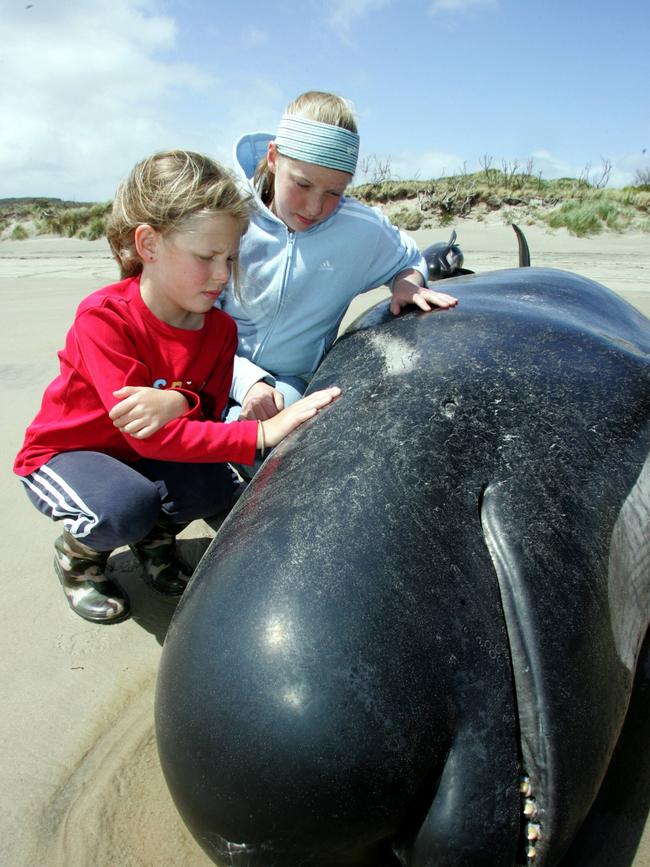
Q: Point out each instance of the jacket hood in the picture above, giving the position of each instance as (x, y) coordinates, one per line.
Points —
(249, 150)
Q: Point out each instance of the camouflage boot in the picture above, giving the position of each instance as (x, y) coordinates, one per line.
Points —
(89, 592)
(163, 570)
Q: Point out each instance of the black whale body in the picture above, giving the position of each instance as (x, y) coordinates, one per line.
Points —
(439, 584)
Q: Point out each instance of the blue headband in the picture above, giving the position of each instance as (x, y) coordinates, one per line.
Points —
(321, 143)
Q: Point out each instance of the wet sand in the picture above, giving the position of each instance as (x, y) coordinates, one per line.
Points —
(82, 786)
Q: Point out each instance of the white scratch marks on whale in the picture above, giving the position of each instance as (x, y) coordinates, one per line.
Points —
(399, 356)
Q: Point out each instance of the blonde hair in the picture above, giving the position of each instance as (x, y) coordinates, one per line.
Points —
(315, 105)
(167, 191)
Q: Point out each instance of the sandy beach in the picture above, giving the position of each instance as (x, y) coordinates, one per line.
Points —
(82, 785)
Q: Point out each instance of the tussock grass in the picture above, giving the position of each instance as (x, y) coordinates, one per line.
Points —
(580, 205)
(53, 217)
(86, 221)
(572, 203)
(19, 233)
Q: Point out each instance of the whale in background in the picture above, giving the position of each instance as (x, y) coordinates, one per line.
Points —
(446, 259)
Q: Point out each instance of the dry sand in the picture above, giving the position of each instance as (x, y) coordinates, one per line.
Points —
(81, 782)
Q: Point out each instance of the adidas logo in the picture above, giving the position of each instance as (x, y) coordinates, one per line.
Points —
(326, 265)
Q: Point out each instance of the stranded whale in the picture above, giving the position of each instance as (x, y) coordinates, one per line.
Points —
(445, 259)
(414, 640)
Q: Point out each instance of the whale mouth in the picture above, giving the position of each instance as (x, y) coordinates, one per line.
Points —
(528, 687)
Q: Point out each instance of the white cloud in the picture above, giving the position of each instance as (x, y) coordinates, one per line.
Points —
(86, 89)
(550, 165)
(462, 5)
(626, 166)
(344, 13)
(619, 171)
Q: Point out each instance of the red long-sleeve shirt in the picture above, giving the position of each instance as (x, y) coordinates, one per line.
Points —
(115, 340)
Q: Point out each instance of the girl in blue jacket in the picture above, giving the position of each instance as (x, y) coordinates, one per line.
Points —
(308, 252)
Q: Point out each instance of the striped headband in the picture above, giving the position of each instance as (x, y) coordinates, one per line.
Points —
(321, 143)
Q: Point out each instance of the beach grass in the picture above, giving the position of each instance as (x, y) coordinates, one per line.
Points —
(582, 206)
(30, 217)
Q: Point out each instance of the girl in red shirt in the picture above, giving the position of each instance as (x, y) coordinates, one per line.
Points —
(175, 229)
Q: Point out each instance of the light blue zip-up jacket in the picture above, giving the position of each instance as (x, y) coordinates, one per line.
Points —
(296, 286)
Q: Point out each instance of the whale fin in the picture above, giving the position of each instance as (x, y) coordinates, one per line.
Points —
(524, 252)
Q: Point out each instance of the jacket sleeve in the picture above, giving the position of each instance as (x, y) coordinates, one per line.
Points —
(110, 358)
(395, 252)
(245, 375)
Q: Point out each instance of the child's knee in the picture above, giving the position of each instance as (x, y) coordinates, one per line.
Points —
(127, 523)
(211, 493)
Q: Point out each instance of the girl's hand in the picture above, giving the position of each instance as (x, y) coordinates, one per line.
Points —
(277, 428)
(406, 291)
(142, 410)
(262, 401)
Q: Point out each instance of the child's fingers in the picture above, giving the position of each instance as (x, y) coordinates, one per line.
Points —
(312, 403)
(294, 415)
(307, 407)
(124, 406)
(422, 302)
(263, 408)
(446, 301)
(440, 299)
(139, 433)
(126, 425)
(118, 412)
(323, 397)
(134, 427)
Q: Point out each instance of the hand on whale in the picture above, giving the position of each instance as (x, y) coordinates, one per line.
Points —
(408, 291)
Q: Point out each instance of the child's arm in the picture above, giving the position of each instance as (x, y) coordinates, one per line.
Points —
(409, 288)
(106, 346)
(143, 410)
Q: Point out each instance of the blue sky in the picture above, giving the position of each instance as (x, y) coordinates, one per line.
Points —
(87, 87)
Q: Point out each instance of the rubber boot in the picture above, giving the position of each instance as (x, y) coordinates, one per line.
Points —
(89, 592)
(163, 570)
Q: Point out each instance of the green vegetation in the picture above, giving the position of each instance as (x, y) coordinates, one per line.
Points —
(407, 218)
(86, 221)
(19, 233)
(53, 217)
(583, 206)
(580, 205)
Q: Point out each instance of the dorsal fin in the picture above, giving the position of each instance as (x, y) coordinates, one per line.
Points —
(524, 252)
